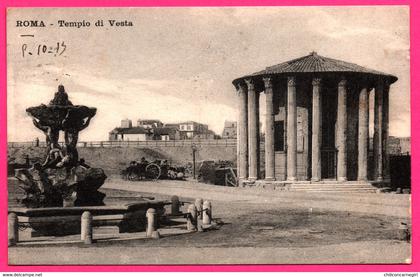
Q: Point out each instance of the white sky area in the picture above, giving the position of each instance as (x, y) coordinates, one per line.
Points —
(177, 64)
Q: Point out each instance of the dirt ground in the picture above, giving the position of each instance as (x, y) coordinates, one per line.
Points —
(256, 225)
(253, 227)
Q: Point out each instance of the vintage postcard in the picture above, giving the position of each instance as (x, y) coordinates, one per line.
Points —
(217, 135)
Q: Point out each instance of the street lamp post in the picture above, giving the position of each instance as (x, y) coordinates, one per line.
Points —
(194, 149)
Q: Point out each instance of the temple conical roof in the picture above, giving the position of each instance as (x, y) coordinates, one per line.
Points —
(314, 63)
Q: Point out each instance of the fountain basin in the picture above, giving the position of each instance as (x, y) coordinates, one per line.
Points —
(61, 221)
(61, 116)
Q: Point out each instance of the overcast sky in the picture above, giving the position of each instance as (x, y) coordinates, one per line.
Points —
(177, 64)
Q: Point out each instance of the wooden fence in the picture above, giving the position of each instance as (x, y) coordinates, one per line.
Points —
(147, 143)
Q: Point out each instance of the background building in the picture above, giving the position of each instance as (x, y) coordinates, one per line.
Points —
(126, 123)
(166, 133)
(230, 130)
(195, 130)
(399, 146)
(153, 129)
(130, 134)
(149, 123)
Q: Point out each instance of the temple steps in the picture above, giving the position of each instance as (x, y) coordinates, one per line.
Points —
(334, 187)
(321, 186)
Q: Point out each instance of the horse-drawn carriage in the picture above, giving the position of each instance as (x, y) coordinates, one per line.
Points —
(157, 169)
(219, 172)
(141, 170)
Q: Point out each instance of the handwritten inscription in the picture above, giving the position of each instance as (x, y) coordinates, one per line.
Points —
(56, 49)
(41, 49)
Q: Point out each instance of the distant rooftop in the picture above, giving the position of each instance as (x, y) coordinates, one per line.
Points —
(133, 130)
(193, 122)
(148, 121)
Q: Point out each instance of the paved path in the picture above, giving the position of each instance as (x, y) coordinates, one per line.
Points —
(372, 203)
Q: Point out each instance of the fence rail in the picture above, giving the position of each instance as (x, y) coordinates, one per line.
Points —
(147, 143)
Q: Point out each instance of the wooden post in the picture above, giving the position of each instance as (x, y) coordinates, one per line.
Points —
(155, 235)
(151, 222)
(86, 233)
(175, 205)
(193, 153)
(194, 150)
(404, 232)
(199, 207)
(192, 218)
(206, 212)
(13, 231)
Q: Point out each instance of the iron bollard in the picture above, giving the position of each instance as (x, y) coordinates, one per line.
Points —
(86, 232)
(207, 212)
(192, 218)
(13, 232)
(175, 205)
(151, 222)
(199, 206)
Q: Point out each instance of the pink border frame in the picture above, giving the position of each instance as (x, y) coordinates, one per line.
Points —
(415, 120)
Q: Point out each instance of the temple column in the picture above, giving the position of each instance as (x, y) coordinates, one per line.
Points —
(291, 129)
(363, 139)
(252, 132)
(378, 131)
(242, 132)
(257, 104)
(385, 154)
(269, 130)
(316, 129)
(342, 131)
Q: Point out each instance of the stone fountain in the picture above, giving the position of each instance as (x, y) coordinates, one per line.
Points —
(60, 189)
(62, 179)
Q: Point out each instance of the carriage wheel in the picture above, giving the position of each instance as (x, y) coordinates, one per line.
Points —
(153, 171)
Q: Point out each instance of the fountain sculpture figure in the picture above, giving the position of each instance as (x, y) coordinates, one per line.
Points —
(62, 179)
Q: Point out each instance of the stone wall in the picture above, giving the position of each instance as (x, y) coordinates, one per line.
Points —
(114, 159)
